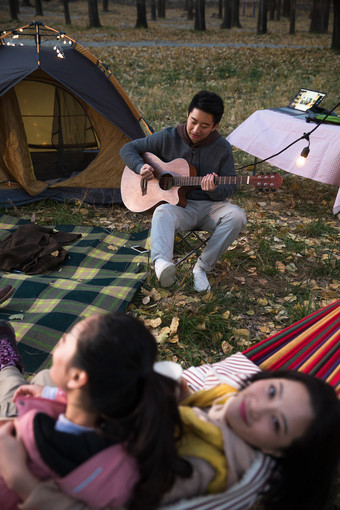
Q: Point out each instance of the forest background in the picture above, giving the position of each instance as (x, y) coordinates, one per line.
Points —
(286, 263)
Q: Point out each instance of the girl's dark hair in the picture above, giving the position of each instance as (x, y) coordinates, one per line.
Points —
(136, 405)
(208, 102)
(304, 475)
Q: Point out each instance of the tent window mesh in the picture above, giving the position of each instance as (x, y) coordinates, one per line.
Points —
(60, 136)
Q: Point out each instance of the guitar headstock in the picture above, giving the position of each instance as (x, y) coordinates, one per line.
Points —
(266, 182)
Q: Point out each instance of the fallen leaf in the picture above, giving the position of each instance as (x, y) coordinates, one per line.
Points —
(153, 323)
(163, 335)
(174, 339)
(226, 348)
(242, 333)
(174, 325)
(280, 266)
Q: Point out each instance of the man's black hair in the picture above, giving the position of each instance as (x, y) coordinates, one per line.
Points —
(208, 102)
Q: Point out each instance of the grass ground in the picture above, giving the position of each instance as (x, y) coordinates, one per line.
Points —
(286, 263)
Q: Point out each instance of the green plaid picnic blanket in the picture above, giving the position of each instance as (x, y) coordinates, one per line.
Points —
(101, 274)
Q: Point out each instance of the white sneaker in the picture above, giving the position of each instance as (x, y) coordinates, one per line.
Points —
(165, 272)
(201, 282)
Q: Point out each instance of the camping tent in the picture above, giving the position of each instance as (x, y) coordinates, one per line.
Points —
(64, 118)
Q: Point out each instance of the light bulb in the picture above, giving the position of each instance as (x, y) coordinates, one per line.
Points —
(302, 158)
(300, 161)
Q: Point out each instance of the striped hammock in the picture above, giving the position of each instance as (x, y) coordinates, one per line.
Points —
(311, 345)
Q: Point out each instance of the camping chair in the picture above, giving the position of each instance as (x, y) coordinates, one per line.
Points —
(310, 345)
(193, 241)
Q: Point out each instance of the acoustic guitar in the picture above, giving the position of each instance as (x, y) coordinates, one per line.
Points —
(172, 181)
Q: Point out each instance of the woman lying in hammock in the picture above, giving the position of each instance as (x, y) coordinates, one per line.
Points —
(290, 417)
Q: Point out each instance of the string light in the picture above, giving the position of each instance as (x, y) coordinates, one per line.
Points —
(60, 53)
(304, 153)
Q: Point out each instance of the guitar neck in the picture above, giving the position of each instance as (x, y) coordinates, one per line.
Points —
(195, 180)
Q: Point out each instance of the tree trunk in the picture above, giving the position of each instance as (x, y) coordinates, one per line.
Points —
(326, 6)
(141, 15)
(38, 8)
(235, 14)
(153, 10)
(13, 9)
(26, 3)
(278, 10)
(161, 8)
(315, 17)
(105, 5)
(190, 9)
(292, 17)
(220, 9)
(336, 26)
(262, 17)
(200, 15)
(319, 16)
(227, 14)
(272, 7)
(93, 13)
(66, 12)
(286, 8)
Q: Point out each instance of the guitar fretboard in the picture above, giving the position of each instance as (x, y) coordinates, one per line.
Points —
(196, 180)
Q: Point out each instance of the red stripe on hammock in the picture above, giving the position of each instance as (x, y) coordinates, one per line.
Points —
(259, 350)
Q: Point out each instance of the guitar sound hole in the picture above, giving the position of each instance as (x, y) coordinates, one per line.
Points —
(166, 182)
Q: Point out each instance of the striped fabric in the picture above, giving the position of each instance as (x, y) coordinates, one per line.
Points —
(243, 495)
(311, 345)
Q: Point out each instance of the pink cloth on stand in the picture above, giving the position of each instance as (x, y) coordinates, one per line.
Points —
(267, 132)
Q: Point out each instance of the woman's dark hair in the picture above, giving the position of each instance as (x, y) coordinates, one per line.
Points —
(135, 404)
(305, 473)
(208, 102)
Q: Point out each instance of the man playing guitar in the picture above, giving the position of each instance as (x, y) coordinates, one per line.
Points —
(207, 207)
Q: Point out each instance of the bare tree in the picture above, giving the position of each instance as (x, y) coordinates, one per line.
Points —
(226, 23)
(200, 15)
(262, 17)
(190, 9)
(38, 8)
(161, 8)
(93, 13)
(326, 7)
(235, 13)
(336, 26)
(278, 10)
(319, 16)
(141, 14)
(66, 12)
(286, 8)
(13, 9)
(220, 9)
(292, 17)
(153, 10)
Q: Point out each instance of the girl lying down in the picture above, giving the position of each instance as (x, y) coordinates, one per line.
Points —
(144, 451)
